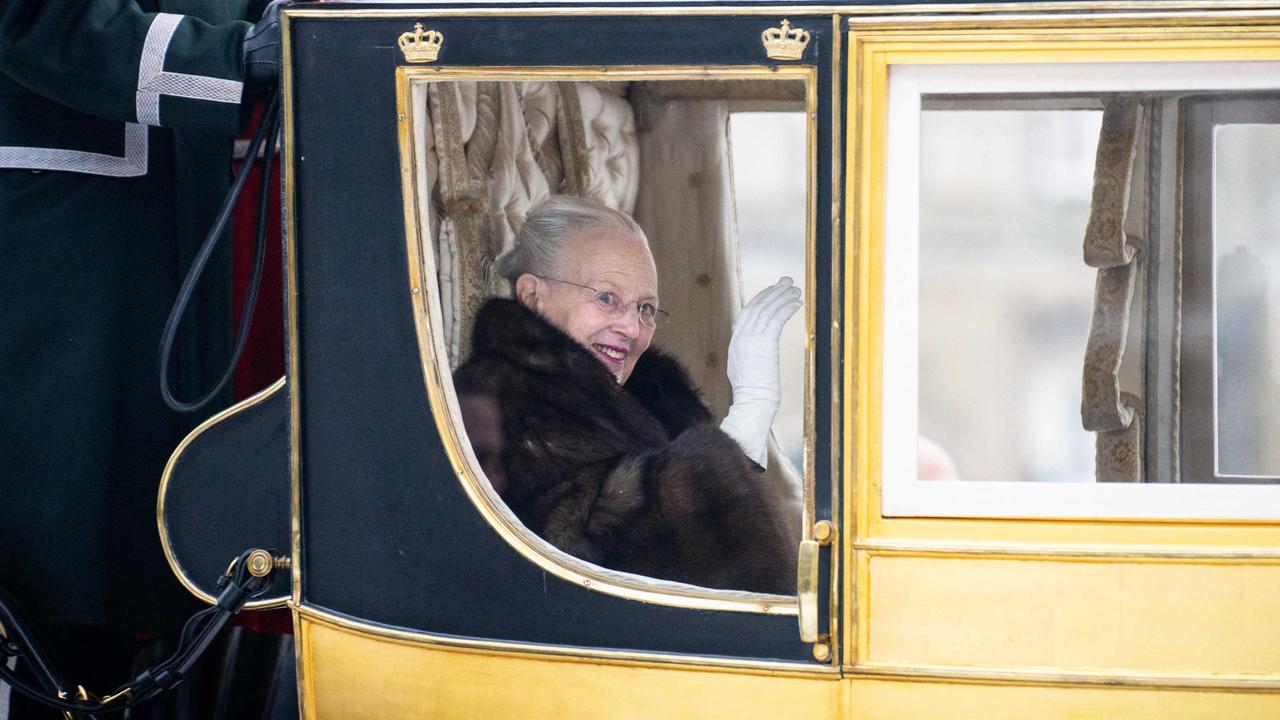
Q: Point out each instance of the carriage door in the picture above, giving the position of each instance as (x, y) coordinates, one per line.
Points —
(419, 140)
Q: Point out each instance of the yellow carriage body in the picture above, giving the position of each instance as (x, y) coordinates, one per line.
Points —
(981, 599)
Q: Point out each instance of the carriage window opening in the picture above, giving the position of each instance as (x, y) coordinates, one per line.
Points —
(584, 239)
(1052, 236)
(1071, 327)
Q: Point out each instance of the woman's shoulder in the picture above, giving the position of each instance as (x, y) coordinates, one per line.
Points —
(506, 325)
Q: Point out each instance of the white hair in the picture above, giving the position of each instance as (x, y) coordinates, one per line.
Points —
(540, 242)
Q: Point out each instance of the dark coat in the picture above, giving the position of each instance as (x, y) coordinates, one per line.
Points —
(100, 216)
(636, 478)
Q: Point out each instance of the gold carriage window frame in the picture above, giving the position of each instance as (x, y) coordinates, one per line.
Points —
(428, 319)
(887, 490)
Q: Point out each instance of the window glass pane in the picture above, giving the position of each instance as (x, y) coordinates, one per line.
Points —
(769, 195)
(1076, 287)
(1005, 299)
(1246, 237)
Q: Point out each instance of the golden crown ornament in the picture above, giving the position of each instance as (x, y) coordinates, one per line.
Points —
(419, 46)
(785, 43)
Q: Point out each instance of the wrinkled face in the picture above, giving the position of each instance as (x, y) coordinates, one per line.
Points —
(619, 267)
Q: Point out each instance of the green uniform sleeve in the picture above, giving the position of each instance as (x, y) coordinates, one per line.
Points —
(110, 59)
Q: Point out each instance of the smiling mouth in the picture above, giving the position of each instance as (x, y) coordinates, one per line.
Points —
(610, 354)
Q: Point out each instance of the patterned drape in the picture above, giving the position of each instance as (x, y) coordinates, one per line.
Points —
(1115, 241)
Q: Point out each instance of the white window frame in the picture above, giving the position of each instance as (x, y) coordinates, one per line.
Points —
(903, 494)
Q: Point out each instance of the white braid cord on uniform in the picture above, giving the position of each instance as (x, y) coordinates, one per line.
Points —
(154, 80)
(132, 164)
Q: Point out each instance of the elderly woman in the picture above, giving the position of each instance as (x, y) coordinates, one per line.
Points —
(601, 444)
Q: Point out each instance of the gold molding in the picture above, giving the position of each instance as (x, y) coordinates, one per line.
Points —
(576, 11)
(290, 259)
(1069, 552)
(807, 480)
(1133, 9)
(302, 672)
(874, 46)
(593, 656)
(1095, 21)
(1022, 7)
(806, 73)
(874, 53)
(425, 301)
(177, 569)
(1064, 678)
(861, 328)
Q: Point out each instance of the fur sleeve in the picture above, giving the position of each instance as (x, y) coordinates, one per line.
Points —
(725, 529)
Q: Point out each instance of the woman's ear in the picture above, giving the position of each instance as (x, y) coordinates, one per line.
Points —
(527, 287)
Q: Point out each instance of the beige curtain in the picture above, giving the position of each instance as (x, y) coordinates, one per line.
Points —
(489, 151)
(1115, 241)
(689, 217)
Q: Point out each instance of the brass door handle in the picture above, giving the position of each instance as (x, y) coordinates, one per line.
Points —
(807, 579)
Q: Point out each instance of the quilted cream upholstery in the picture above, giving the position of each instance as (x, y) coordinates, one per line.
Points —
(488, 151)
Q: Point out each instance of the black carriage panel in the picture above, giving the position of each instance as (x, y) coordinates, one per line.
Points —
(389, 536)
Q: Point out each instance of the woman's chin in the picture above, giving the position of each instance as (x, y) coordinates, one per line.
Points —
(616, 372)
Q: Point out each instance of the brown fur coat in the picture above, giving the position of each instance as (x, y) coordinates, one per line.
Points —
(636, 478)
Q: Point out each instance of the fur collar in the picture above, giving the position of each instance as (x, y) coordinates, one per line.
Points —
(507, 329)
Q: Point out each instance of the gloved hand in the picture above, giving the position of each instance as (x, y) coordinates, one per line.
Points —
(262, 53)
(753, 367)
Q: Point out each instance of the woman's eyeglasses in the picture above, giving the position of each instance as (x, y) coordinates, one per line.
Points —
(610, 304)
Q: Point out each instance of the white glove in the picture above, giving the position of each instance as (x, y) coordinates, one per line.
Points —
(753, 367)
